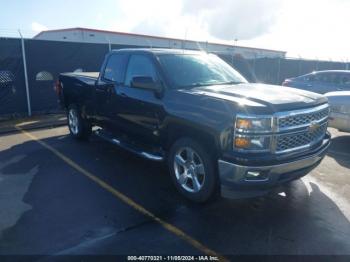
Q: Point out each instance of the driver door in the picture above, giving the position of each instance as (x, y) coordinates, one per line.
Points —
(140, 110)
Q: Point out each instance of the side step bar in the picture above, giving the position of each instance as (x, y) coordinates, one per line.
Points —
(129, 147)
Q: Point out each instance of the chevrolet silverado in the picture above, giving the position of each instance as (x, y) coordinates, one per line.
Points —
(217, 133)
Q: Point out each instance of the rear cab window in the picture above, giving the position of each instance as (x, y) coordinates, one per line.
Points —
(115, 68)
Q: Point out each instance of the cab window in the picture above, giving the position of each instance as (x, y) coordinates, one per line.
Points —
(140, 65)
(114, 68)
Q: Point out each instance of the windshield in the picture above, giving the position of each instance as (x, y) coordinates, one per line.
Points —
(191, 70)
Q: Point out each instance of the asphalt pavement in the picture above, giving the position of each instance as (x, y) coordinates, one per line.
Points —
(59, 196)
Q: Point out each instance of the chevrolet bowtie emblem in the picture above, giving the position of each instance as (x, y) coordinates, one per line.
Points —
(313, 127)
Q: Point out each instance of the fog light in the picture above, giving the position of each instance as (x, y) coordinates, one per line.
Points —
(253, 174)
(241, 142)
(256, 175)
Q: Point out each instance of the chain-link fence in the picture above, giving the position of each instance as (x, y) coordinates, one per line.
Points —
(276, 70)
(44, 61)
(29, 68)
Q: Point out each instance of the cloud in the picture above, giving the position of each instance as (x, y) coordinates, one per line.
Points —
(320, 33)
(36, 27)
(204, 19)
(156, 17)
(313, 28)
(229, 20)
(150, 27)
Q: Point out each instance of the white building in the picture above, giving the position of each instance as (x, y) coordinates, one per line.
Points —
(86, 35)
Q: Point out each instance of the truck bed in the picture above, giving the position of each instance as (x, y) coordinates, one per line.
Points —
(78, 87)
(93, 75)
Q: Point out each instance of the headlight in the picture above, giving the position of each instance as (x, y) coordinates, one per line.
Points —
(252, 133)
(252, 143)
(252, 124)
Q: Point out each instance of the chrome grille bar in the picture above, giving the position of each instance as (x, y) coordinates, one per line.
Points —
(302, 118)
(301, 129)
(300, 140)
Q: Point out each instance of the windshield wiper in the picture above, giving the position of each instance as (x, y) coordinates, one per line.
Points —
(198, 85)
(230, 83)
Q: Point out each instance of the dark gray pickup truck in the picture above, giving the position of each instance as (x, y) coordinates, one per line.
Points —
(217, 132)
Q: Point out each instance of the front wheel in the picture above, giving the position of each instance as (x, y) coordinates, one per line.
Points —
(192, 170)
(79, 128)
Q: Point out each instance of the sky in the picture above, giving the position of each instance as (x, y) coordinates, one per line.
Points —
(315, 29)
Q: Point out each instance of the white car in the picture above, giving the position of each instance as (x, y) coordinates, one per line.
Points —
(340, 110)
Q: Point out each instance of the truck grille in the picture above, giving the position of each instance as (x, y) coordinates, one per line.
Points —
(291, 142)
(289, 131)
(294, 121)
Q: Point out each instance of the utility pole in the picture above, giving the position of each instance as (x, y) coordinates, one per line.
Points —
(25, 74)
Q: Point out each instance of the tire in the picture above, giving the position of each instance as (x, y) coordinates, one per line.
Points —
(187, 170)
(79, 127)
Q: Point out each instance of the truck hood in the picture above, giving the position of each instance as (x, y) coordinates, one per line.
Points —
(272, 97)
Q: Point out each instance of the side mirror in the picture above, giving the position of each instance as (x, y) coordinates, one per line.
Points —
(146, 82)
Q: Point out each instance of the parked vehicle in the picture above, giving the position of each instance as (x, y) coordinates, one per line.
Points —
(217, 132)
(340, 110)
(322, 81)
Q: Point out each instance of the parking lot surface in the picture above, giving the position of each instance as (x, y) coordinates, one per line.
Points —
(59, 196)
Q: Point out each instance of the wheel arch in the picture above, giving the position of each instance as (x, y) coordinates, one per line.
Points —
(203, 135)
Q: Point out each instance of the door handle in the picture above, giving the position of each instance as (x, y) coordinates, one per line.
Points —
(109, 90)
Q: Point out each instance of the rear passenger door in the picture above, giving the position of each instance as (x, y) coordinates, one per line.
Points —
(112, 77)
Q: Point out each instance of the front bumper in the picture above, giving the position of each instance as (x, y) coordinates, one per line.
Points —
(236, 184)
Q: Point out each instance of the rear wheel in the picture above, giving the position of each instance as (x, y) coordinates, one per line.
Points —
(79, 127)
(192, 170)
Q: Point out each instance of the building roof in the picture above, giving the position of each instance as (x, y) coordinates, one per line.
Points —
(157, 51)
(150, 36)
